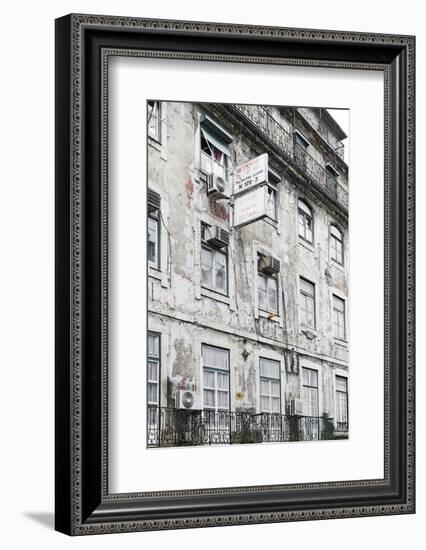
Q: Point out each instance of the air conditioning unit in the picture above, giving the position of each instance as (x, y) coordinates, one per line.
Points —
(218, 187)
(187, 399)
(296, 406)
(268, 264)
(216, 236)
(154, 201)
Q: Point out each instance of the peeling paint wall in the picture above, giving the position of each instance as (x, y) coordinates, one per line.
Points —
(187, 315)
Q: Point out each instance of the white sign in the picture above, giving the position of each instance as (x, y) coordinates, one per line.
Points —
(250, 207)
(251, 173)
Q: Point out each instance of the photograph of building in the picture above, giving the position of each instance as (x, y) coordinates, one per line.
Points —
(248, 274)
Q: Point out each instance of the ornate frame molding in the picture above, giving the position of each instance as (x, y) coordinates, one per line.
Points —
(86, 507)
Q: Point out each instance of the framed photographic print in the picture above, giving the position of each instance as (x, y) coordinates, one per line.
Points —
(234, 274)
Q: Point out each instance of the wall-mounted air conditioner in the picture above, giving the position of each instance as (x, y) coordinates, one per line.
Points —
(187, 399)
(296, 406)
(218, 187)
(269, 265)
(216, 236)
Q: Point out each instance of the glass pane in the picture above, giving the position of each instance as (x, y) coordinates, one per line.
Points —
(220, 271)
(269, 368)
(222, 399)
(275, 389)
(206, 267)
(209, 380)
(262, 291)
(152, 240)
(306, 287)
(209, 398)
(275, 405)
(222, 380)
(152, 393)
(264, 404)
(264, 387)
(153, 345)
(341, 383)
(270, 203)
(272, 294)
(215, 357)
(153, 371)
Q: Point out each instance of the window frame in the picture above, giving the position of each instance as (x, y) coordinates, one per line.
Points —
(305, 215)
(335, 238)
(310, 387)
(270, 379)
(268, 278)
(336, 311)
(345, 378)
(213, 250)
(215, 370)
(306, 295)
(155, 216)
(157, 359)
(157, 135)
(214, 135)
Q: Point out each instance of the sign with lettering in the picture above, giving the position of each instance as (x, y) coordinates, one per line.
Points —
(250, 207)
(251, 173)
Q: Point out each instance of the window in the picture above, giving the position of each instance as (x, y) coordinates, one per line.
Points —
(300, 149)
(336, 245)
(307, 303)
(270, 400)
(331, 180)
(154, 120)
(305, 222)
(341, 403)
(215, 152)
(271, 202)
(154, 239)
(339, 317)
(153, 368)
(214, 266)
(268, 292)
(310, 392)
(215, 378)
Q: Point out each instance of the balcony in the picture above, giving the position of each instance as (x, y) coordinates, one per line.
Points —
(168, 427)
(323, 129)
(285, 142)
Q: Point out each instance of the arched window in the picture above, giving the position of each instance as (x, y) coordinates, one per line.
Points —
(306, 222)
(336, 244)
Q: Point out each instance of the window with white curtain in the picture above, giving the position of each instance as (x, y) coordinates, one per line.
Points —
(339, 317)
(268, 292)
(154, 120)
(271, 202)
(270, 400)
(310, 392)
(215, 378)
(214, 266)
(341, 402)
(336, 245)
(153, 372)
(214, 150)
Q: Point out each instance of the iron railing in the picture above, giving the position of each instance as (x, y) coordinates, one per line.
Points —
(168, 427)
(286, 142)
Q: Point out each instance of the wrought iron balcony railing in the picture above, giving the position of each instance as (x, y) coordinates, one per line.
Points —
(168, 427)
(324, 130)
(286, 142)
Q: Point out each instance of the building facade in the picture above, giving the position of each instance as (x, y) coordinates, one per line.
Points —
(248, 322)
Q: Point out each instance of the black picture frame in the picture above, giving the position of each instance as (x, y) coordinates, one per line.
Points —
(83, 44)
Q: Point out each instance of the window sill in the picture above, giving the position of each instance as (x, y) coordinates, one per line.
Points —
(270, 315)
(306, 245)
(338, 266)
(158, 275)
(271, 221)
(341, 343)
(214, 295)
